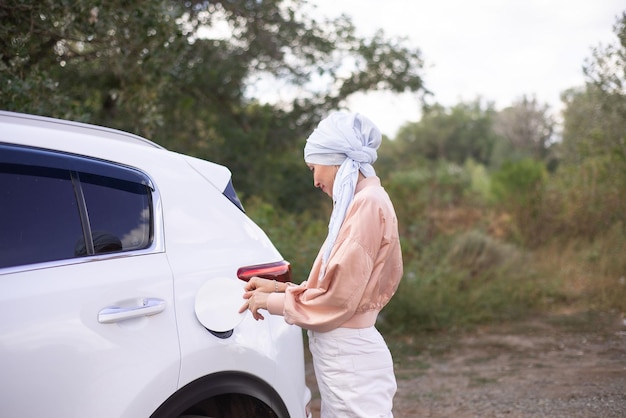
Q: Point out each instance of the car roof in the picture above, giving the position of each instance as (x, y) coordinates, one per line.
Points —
(23, 119)
(100, 142)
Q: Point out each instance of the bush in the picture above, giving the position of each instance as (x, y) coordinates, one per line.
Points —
(518, 188)
(592, 272)
(297, 236)
(421, 195)
(477, 254)
(588, 198)
(464, 281)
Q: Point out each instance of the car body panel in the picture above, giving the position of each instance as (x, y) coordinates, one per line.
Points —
(54, 321)
(53, 349)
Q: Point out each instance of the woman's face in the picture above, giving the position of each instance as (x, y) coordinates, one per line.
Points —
(324, 177)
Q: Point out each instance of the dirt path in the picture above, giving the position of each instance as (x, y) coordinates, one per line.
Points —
(551, 367)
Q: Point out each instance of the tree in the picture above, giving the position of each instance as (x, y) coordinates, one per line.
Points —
(606, 85)
(456, 134)
(592, 177)
(161, 69)
(77, 61)
(528, 130)
(595, 116)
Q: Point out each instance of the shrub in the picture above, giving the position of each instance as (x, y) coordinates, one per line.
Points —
(297, 236)
(421, 192)
(518, 188)
(467, 280)
(478, 254)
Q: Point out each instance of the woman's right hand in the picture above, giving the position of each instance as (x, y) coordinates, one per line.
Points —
(258, 283)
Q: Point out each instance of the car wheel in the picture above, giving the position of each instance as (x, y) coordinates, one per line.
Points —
(226, 395)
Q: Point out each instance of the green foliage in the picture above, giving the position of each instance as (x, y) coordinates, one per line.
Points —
(421, 192)
(466, 281)
(297, 236)
(457, 134)
(518, 181)
(591, 271)
(606, 75)
(480, 181)
(593, 126)
(101, 63)
(572, 217)
(589, 185)
(519, 189)
(585, 199)
(163, 70)
(477, 253)
(526, 129)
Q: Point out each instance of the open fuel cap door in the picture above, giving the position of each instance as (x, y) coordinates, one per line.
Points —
(218, 302)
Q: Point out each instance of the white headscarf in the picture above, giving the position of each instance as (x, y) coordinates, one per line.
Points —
(349, 140)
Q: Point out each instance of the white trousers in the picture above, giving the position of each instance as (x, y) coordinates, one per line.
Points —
(354, 372)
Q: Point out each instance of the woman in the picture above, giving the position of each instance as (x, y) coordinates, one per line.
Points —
(355, 274)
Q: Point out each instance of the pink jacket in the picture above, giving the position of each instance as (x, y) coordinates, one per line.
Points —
(363, 272)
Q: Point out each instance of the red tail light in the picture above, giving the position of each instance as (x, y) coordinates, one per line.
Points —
(280, 271)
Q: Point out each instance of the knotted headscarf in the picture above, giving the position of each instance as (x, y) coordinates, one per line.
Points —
(349, 140)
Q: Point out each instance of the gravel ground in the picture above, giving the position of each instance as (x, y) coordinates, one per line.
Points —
(566, 366)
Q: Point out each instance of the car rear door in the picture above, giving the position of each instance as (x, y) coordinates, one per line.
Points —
(87, 323)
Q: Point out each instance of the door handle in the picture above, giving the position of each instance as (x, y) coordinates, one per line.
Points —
(150, 306)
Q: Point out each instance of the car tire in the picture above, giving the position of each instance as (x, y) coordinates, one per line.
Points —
(229, 395)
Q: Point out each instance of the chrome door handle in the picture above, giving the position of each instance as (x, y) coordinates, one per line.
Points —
(150, 306)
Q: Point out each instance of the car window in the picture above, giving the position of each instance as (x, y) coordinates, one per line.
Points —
(48, 212)
(120, 208)
(39, 220)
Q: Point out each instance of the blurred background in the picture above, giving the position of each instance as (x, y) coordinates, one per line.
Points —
(505, 127)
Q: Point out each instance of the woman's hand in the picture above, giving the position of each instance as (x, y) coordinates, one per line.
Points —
(256, 299)
(264, 285)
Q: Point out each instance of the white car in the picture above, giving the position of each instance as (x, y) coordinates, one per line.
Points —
(122, 266)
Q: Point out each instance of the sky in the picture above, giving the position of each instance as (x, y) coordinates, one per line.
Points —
(498, 50)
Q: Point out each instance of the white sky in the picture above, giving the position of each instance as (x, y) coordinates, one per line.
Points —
(498, 50)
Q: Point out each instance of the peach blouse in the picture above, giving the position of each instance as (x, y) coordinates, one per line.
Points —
(363, 272)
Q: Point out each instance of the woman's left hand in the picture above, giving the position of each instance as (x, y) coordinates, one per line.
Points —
(255, 300)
